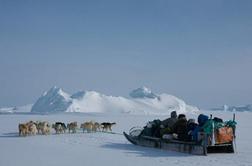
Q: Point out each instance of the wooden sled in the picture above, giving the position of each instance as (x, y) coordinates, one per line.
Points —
(194, 148)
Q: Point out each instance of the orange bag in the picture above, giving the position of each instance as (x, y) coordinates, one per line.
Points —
(224, 135)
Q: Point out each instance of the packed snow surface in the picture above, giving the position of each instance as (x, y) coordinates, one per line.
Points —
(141, 101)
(101, 149)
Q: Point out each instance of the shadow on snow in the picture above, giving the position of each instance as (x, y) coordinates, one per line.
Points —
(9, 135)
(143, 151)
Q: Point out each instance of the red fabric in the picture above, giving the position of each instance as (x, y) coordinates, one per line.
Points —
(224, 135)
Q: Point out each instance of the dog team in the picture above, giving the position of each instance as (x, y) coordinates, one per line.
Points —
(44, 128)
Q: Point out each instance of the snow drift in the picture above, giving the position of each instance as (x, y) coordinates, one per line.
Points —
(243, 108)
(21, 109)
(141, 101)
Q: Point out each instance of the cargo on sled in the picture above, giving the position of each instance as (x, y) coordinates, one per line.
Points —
(214, 137)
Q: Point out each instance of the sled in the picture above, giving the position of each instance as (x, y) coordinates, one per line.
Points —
(202, 147)
(194, 148)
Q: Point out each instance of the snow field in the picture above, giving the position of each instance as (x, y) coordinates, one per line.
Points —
(107, 149)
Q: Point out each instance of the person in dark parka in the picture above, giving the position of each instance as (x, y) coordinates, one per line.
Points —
(180, 128)
(170, 121)
(167, 124)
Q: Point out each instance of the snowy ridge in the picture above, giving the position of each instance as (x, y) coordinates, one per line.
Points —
(242, 108)
(21, 109)
(142, 101)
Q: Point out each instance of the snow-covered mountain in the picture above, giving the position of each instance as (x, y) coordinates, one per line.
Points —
(143, 93)
(54, 100)
(141, 101)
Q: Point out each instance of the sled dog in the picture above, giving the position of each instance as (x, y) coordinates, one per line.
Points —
(107, 126)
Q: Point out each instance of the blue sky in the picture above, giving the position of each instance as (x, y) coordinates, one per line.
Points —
(200, 51)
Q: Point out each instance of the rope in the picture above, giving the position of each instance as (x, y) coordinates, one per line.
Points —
(106, 132)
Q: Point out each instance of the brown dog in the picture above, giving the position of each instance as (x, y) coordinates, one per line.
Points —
(23, 129)
(87, 126)
(72, 126)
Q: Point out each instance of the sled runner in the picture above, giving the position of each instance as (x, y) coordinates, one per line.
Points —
(172, 145)
(224, 142)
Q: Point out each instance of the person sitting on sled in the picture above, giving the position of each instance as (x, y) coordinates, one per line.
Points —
(180, 128)
(191, 129)
(167, 124)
